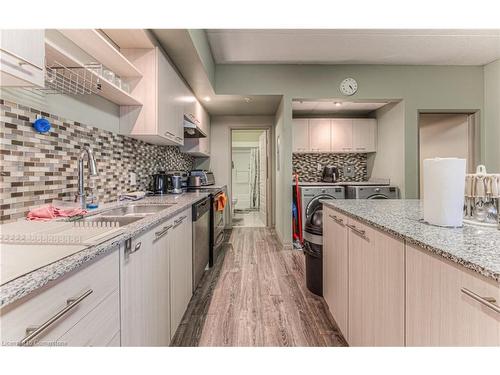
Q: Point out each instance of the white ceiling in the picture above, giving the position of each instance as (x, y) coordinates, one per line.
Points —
(363, 46)
(327, 106)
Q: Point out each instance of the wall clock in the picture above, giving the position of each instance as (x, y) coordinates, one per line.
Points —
(348, 86)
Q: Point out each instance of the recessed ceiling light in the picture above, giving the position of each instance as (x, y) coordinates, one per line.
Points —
(207, 98)
(248, 100)
(337, 104)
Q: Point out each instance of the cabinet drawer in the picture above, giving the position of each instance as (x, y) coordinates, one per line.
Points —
(97, 328)
(101, 277)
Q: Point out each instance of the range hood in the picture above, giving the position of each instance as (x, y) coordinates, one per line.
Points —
(192, 128)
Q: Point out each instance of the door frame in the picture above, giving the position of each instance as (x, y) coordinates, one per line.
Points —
(269, 164)
(474, 136)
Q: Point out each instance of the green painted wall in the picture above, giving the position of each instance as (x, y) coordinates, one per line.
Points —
(200, 42)
(492, 116)
(445, 88)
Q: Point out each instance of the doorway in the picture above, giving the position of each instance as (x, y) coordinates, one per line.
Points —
(446, 135)
(249, 178)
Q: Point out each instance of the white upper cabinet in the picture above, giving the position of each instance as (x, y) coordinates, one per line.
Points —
(300, 136)
(22, 54)
(364, 135)
(161, 91)
(342, 135)
(319, 135)
(337, 135)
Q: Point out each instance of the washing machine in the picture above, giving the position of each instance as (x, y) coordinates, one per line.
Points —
(310, 197)
(372, 192)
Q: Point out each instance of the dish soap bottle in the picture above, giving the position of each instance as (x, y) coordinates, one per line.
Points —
(92, 202)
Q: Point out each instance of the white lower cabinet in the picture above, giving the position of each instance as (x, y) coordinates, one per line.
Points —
(335, 261)
(94, 319)
(156, 285)
(399, 294)
(440, 312)
(376, 287)
(181, 268)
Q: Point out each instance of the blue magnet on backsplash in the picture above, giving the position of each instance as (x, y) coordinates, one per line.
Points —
(42, 125)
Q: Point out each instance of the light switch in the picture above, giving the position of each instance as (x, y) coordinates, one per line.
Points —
(133, 179)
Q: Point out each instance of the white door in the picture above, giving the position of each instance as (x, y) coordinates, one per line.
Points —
(263, 177)
(319, 135)
(364, 134)
(241, 177)
(341, 135)
(300, 136)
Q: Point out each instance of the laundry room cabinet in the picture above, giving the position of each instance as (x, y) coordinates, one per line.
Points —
(337, 135)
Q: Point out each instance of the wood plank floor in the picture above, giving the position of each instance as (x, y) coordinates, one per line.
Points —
(256, 296)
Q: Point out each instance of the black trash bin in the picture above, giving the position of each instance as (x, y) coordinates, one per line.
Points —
(313, 249)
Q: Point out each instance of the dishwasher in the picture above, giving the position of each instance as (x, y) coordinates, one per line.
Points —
(201, 239)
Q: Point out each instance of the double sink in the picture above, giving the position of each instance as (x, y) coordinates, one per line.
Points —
(127, 214)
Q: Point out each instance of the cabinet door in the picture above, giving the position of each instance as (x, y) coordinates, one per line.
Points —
(22, 57)
(342, 135)
(170, 104)
(438, 312)
(300, 135)
(364, 135)
(181, 265)
(137, 299)
(161, 283)
(335, 266)
(320, 135)
(376, 287)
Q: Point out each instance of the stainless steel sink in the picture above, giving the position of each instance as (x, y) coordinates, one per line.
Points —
(136, 209)
(122, 220)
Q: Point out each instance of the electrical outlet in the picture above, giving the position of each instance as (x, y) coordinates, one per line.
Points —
(348, 170)
(133, 179)
(320, 167)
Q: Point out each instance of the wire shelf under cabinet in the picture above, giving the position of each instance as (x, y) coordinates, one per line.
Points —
(60, 79)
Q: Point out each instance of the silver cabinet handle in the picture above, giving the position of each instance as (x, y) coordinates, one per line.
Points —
(136, 247)
(163, 231)
(361, 232)
(179, 138)
(337, 219)
(33, 332)
(170, 134)
(178, 221)
(22, 60)
(487, 301)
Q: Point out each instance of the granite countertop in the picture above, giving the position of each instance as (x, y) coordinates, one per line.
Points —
(473, 247)
(37, 278)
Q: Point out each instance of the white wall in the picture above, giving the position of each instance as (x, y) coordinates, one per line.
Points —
(492, 116)
(220, 145)
(389, 160)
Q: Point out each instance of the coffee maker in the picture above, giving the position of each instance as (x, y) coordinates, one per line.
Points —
(330, 174)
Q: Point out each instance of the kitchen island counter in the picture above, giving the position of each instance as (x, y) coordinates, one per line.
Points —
(473, 247)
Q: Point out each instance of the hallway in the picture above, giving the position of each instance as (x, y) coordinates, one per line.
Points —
(257, 297)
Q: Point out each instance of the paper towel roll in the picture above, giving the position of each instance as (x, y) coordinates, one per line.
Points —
(444, 183)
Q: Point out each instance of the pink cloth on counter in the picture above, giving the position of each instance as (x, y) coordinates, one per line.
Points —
(49, 212)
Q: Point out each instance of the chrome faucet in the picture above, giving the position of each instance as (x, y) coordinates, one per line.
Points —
(91, 164)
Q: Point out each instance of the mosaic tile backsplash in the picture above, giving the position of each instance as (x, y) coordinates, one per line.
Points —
(306, 165)
(38, 168)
